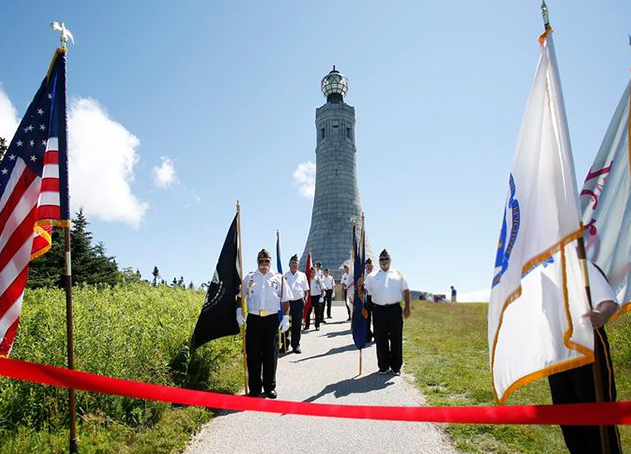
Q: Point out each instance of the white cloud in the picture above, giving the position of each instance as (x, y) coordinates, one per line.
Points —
(164, 175)
(8, 117)
(479, 296)
(304, 177)
(102, 156)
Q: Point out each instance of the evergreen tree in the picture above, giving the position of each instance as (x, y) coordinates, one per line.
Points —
(90, 265)
(156, 275)
(174, 283)
(180, 282)
(191, 286)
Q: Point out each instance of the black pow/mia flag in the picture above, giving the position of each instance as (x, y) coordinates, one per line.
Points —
(218, 317)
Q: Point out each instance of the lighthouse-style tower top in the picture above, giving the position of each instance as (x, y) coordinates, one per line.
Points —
(334, 86)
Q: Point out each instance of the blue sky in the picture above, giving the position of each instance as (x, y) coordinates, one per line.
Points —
(225, 94)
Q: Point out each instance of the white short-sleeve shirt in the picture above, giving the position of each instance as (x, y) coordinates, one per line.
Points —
(329, 282)
(263, 292)
(298, 284)
(346, 279)
(601, 290)
(386, 287)
(316, 286)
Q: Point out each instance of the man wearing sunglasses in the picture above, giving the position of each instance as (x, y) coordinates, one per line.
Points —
(387, 288)
(264, 292)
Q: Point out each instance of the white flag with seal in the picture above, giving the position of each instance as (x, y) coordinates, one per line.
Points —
(606, 205)
(536, 325)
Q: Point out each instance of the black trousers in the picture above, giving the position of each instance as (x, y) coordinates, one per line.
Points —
(296, 308)
(328, 297)
(388, 322)
(318, 307)
(577, 386)
(261, 347)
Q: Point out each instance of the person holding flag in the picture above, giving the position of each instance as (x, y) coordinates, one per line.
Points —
(388, 287)
(264, 291)
(540, 317)
(299, 286)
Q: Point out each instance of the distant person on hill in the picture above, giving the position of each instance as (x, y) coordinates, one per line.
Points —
(577, 385)
(388, 287)
(453, 294)
(265, 292)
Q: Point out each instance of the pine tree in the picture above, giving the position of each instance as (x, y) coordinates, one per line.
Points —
(191, 286)
(174, 283)
(180, 282)
(90, 265)
(156, 275)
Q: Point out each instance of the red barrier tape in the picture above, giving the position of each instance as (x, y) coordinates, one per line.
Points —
(616, 413)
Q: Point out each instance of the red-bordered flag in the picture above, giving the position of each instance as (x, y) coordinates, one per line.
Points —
(33, 192)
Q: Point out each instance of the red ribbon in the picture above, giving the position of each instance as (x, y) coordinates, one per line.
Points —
(593, 414)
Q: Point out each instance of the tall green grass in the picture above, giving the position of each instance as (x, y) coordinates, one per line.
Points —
(133, 331)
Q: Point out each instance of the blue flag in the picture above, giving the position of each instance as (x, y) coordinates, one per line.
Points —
(359, 324)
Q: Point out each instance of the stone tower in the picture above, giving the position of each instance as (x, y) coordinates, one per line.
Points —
(336, 202)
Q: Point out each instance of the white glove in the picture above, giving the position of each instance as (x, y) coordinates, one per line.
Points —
(284, 324)
(240, 317)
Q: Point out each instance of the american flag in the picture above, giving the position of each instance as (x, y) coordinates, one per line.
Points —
(33, 193)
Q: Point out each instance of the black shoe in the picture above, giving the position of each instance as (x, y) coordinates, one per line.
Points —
(297, 350)
(323, 321)
(254, 394)
(348, 319)
(329, 316)
(317, 328)
(271, 394)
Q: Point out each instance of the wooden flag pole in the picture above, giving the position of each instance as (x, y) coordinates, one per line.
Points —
(598, 383)
(283, 336)
(69, 337)
(243, 302)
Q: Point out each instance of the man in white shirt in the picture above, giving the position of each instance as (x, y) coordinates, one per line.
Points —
(388, 288)
(318, 268)
(346, 281)
(264, 292)
(317, 300)
(299, 286)
(577, 385)
(329, 286)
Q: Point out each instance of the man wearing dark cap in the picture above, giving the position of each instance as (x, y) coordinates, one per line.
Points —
(299, 286)
(387, 288)
(264, 292)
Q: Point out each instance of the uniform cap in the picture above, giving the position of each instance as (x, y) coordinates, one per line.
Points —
(264, 254)
(368, 261)
(384, 255)
(294, 258)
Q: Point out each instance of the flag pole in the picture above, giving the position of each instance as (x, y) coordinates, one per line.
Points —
(598, 383)
(282, 284)
(361, 244)
(598, 388)
(69, 336)
(243, 303)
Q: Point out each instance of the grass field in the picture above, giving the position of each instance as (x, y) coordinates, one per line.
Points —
(446, 350)
(133, 331)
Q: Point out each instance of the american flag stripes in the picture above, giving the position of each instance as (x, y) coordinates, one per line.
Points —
(33, 193)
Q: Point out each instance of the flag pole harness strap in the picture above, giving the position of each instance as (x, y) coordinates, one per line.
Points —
(592, 414)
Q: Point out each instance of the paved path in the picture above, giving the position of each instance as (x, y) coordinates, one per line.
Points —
(326, 372)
